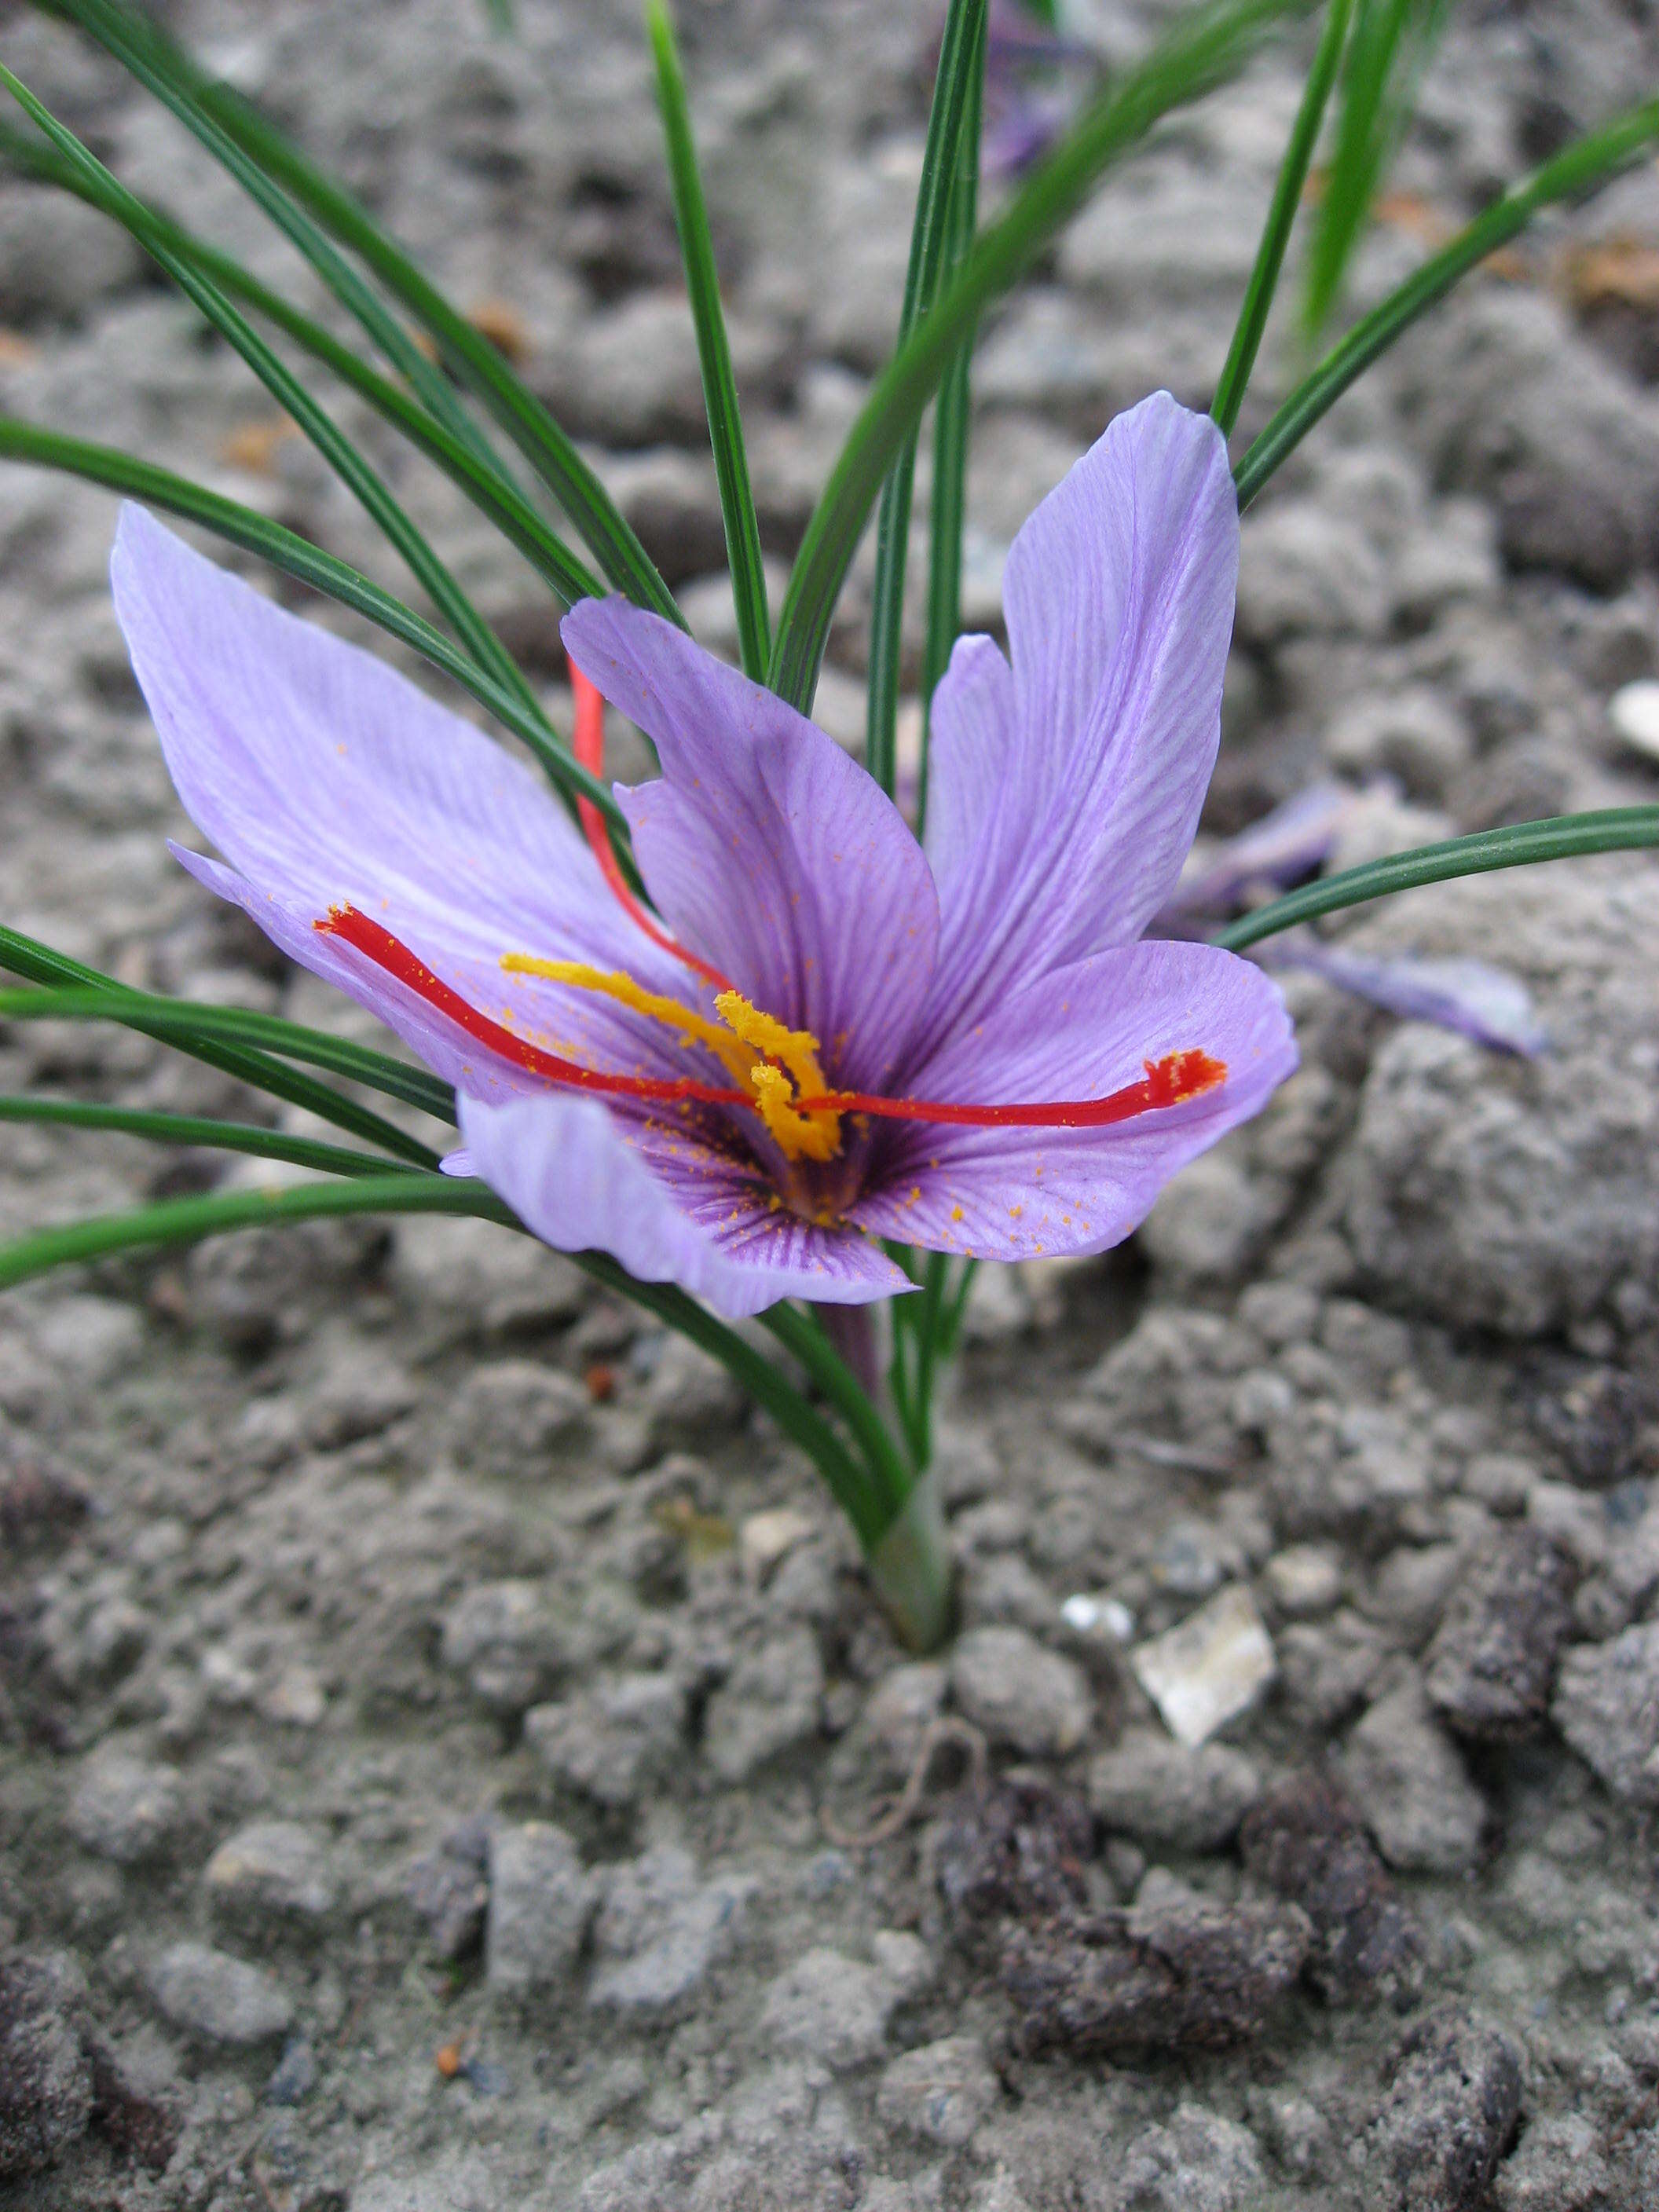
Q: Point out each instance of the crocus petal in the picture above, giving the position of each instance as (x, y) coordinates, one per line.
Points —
(325, 778)
(1084, 1032)
(1119, 596)
(764, 847)
(671, 1210)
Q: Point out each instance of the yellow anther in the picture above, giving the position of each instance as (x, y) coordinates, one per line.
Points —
(799, 1136)
(692, 1027)
(746, 1031)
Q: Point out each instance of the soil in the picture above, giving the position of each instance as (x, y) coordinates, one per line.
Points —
(445, 1737)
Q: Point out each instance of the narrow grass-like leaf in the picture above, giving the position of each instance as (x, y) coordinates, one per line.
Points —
(1204, 48)
(1281, 216)
(355, 472)
(308, 564)
(259, 1070)
(493, 493)
(720, 387)
(1583, 166)
(951, 421)
(1518, 845)
(1392, 41)
(464, 351)
(171, 1019)
(141, 50)
(197, 1130)
(188, 1220)
(961, 61)
(851, 1481)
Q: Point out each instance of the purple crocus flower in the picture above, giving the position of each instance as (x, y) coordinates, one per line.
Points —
(847, 1038)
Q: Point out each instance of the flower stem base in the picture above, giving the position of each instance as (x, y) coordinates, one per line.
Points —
(910, 1568)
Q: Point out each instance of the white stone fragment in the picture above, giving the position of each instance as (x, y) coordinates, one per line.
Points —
(1212, 1667)
(1091, 1612)
(1634, 710)
(768, 1537)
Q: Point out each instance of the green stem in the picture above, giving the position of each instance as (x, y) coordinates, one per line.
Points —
(911, 1569)
(891, 1476)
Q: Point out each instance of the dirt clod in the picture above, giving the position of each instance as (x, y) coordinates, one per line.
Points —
(1012, 1850)
(1179, 1977)
(1305, 1841)
(1449, 2112)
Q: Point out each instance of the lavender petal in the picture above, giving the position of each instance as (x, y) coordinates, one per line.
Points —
(672, 1214)
(1085, 1032)
(1119, 594)
(765, 848)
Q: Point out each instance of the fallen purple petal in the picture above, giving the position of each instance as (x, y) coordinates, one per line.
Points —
(1474, 998)
(1283, 847)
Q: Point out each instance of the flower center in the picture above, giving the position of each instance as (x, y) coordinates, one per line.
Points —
(787, 1071)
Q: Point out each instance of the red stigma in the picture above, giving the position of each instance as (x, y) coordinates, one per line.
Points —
(1170, 1081)
(385, 951)
(587, 743)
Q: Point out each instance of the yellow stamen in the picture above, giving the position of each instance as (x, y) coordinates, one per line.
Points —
(799, 1136)
(747, 1031)
(692, 1027)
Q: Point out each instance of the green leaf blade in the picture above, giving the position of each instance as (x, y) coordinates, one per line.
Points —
(1521, 844)
(195, 1130)
(348, 464)
(188, 1221)
(296, 556)
(1281, 218)
(1392, 42)
(1201, 52)
(1582, 167)
(720, 388)
(171, 1019)
(259, 1070)
(961, 66)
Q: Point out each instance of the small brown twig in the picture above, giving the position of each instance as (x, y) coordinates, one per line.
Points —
(944, 1728)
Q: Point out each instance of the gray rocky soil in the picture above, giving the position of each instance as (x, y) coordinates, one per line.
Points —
(438, 1725)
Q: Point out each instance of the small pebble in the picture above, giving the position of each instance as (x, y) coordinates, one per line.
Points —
(1093, 1613)
(218, 1998)
(1032, 1699)
(1634, 710)
(1303, 1581)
